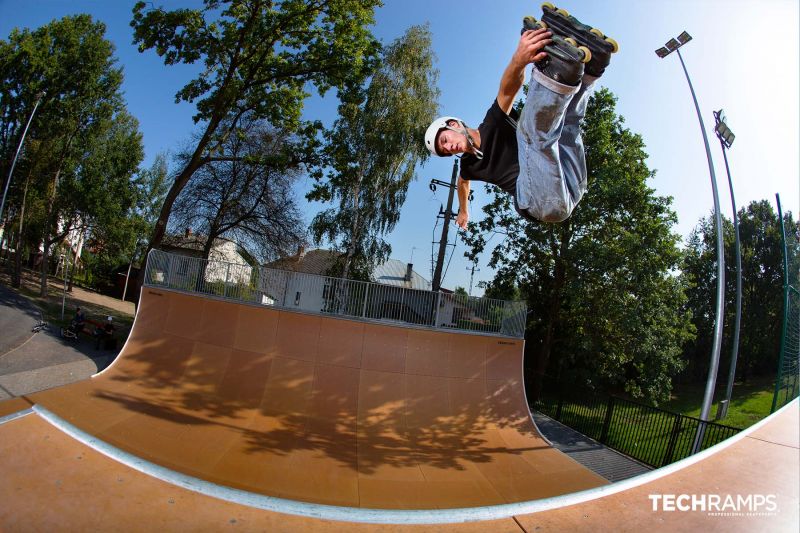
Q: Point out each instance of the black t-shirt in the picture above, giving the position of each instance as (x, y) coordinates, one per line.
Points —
(500, 164)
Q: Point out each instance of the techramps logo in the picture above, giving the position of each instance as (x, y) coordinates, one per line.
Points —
(723, 505)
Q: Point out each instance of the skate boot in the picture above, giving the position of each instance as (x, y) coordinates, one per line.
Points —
(565, 58)
(560, 22)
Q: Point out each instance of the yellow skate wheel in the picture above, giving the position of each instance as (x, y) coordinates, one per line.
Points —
(562, 12)
(571, 41)
(587, 54)
(598, 33)
(548, 5)
(614, 44)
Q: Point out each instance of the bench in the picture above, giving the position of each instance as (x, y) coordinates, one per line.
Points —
(89, 328)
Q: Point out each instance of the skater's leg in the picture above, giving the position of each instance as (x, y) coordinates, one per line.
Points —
(573, 159)
(542, 188)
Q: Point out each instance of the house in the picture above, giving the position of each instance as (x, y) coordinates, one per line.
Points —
(397, 291)
(228, 263)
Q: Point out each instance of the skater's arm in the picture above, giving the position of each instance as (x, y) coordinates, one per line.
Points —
(529, 50)
(463, 203)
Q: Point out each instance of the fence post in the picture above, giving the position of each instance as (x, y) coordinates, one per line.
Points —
(607, 421)
(225, 285)
(673, 440)
(169, 274)
(286, 286)
(559, 406)
(438, 303)
(366, 297)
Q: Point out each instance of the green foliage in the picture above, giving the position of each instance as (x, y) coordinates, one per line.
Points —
(151, 185)
(83, 146)
(599, 287)
(762, 291)
(259, 59)
(370, 154)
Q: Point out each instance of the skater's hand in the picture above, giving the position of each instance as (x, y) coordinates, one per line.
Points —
(462, 218)
(529, 50)
(531, 47)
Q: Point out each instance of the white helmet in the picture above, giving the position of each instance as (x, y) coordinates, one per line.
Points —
(433, 131)
(441, 124)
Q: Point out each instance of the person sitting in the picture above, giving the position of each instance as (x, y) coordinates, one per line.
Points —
(104, 334)
(76, 325)
(78, 321)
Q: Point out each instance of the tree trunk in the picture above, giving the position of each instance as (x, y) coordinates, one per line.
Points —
(554, 309)
(46, 236)
(181, 180)
(16, 280)
(354, 232)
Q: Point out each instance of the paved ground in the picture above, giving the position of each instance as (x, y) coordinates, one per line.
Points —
(17, 316)
(600, 459)
(30, 362)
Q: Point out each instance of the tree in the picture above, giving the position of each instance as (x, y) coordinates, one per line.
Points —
(370, 154)
(246, 196)
(151, 186)
(87, 145)
(259, 57)
(762, 291)
(604, 306)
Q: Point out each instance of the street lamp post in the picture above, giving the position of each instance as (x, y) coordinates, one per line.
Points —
(16, 155)
(673, 45)
(726, 137)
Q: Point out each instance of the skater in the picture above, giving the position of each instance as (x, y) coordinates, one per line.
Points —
(538, 157)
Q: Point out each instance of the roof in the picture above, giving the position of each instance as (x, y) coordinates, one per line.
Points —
(393, 272)
(319, 261)
(312, 262)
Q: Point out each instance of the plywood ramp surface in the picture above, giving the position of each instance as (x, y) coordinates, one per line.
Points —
(321, 410)
(78, 489)
(763, 464)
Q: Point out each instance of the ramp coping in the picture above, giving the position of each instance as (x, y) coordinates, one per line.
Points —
(381, 516)
(335, 297)
(14, 416)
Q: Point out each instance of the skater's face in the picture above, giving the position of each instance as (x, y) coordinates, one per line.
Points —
(451, 142)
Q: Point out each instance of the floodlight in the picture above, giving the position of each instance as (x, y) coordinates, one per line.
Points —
(662, 52)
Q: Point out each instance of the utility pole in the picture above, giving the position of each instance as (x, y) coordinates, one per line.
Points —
(474, 268)
(448, 215)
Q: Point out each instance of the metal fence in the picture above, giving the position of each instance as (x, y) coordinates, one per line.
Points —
(335, 296)
(653, 436)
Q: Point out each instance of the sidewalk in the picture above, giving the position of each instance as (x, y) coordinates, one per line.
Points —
(598, 458)
(31, 362)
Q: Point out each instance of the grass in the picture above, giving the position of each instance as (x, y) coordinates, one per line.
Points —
(750, 402)
(645, 433)
(51, 305)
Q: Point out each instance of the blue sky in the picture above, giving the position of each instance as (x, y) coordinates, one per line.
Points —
(743, 58)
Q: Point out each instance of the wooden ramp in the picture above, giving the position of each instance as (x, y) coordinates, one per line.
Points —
(219, 414)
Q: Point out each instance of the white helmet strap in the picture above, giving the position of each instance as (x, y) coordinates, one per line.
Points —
(463, 131)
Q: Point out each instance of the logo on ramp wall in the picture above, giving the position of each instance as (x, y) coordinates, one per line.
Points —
(731, 505)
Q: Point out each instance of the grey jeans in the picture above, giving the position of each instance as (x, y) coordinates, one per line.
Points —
(552, 165)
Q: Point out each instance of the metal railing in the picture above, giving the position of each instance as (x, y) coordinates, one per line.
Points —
(651, 435)
(335, 296)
